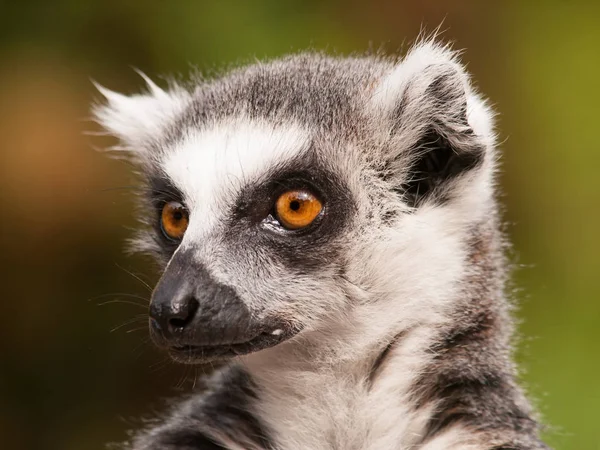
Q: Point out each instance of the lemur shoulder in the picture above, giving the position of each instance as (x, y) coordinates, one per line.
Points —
(329, 226)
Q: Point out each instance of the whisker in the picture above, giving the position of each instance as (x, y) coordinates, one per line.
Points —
(183, 378)
(145, 284)
(136, 329)
(125, 302)
(119, 294)
(137, 318)
(139, 349)
(159, 365)
(195, 378)
(144, 304)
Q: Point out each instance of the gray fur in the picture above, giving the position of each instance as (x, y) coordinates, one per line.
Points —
(397, 325)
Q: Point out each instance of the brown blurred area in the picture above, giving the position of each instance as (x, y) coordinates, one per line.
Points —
(75, 370)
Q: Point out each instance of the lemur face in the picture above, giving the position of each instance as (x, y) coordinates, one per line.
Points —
(254, 227)
(286, 194)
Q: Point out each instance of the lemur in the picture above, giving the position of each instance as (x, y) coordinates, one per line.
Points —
(328, 226)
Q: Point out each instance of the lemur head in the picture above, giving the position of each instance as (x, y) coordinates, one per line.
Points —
(286, 195)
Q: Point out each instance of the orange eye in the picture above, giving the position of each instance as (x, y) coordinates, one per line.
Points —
(297, 209)
(174, 220)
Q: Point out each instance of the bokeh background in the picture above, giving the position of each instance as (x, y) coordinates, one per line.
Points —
(75, 370)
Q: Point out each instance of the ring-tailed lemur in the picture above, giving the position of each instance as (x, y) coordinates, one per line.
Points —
(329, 225)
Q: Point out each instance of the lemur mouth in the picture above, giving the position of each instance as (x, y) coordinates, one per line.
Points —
(196, 354)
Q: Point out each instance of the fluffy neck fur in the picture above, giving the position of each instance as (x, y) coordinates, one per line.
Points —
(360, 381)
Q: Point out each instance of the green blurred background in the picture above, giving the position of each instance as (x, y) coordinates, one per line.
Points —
(68, 382)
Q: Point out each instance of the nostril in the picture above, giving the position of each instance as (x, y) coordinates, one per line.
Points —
(184, 315)
(178, 323)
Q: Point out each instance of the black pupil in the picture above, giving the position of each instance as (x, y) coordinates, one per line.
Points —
(295, 205)
(177, 215)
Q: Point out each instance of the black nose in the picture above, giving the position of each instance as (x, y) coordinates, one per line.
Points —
(172, 317)
(190, 308)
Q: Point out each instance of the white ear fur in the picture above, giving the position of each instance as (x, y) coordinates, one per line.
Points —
(409, 81)
(138, 119)
(411, 73)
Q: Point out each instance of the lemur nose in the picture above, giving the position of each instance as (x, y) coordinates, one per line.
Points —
(189, 308)
(182, 314)
(174, 316)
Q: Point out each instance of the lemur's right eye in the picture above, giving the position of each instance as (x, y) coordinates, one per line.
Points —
(174, 220)
(297, 209)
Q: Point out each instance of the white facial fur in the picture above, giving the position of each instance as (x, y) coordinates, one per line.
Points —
(211, 165)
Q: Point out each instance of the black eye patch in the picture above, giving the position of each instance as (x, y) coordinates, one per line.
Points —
(312, 246)
(161, 191)
(257, 202)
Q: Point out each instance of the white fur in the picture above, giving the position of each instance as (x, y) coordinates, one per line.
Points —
(415, 271)
(138, 119)
(410, 76)
(414, 74)
(456, 438)
(210, 166)
(326, 403)
(313, 396)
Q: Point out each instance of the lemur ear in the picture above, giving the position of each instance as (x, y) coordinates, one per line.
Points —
(137, 120)
(437, 126)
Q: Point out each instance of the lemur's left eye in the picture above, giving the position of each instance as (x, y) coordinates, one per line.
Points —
(297, 209)
(174, 220)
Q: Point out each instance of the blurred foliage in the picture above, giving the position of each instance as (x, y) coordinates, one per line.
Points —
(67, 382)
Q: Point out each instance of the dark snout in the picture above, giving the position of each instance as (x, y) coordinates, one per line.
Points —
(196, 317)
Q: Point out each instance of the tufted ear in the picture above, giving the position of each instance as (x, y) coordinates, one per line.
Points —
(437, 126)
(137, 120)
